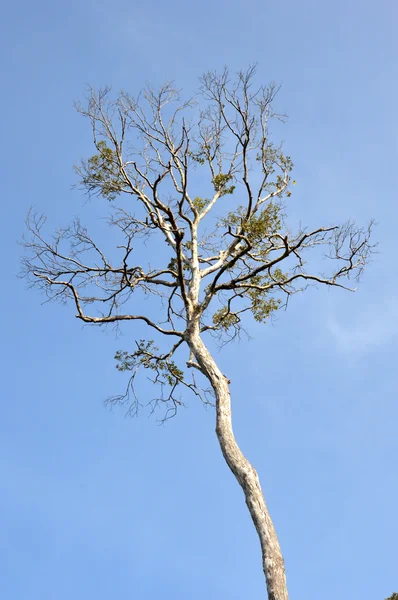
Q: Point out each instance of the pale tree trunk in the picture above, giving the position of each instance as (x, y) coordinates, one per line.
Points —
(246, 475)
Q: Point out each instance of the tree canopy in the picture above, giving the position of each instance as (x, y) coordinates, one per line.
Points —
(204, 176)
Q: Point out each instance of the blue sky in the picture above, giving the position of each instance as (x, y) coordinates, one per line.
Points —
(97, 506)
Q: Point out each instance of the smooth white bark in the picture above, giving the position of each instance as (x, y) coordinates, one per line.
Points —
(246, 475)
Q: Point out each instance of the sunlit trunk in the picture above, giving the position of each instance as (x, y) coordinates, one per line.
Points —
(245, 474)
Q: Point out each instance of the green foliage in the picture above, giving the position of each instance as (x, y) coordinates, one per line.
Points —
(393, 597)
(261, 305)
(200, 203)
(285, 162)
(258, 228)
(260, 225)
(147, 356)
(256, 231)
(202, 155)
(272, 157)
(225, 319)
(220, 182)
(173, 265)
(188, 245)
(198, 157)
(103, 172)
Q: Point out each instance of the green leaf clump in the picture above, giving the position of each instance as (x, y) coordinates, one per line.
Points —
(258, 228)
(103, 172)
(147, 356)
(261, 304)
(224, 319)
(200, 203)
(220, 183)
(173, 265)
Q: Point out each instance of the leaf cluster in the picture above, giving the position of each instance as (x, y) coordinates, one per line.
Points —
(261, 304)
(257, 227)
(224, 319)
(102, 172)
(220, 183)
(173, 265)
(200, 203)
(147, 356)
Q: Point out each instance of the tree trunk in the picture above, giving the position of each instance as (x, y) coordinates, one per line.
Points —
(246, 475)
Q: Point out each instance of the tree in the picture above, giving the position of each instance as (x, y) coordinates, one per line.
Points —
(393, 597)
(225, 253)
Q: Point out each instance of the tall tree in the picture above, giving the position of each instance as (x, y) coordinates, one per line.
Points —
(225, 252)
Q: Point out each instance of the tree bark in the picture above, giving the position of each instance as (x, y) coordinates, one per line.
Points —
(246, 475)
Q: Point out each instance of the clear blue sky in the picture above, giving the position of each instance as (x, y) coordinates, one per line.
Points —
(95, 506)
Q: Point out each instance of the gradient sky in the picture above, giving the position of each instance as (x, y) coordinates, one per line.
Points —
(96, 506)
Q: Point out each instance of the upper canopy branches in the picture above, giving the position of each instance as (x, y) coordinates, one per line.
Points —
(202, 180)
(153, 149)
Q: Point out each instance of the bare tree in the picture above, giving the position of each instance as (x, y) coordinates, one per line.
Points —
(220, 258)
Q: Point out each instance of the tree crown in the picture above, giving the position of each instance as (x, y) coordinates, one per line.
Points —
(226, 252)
